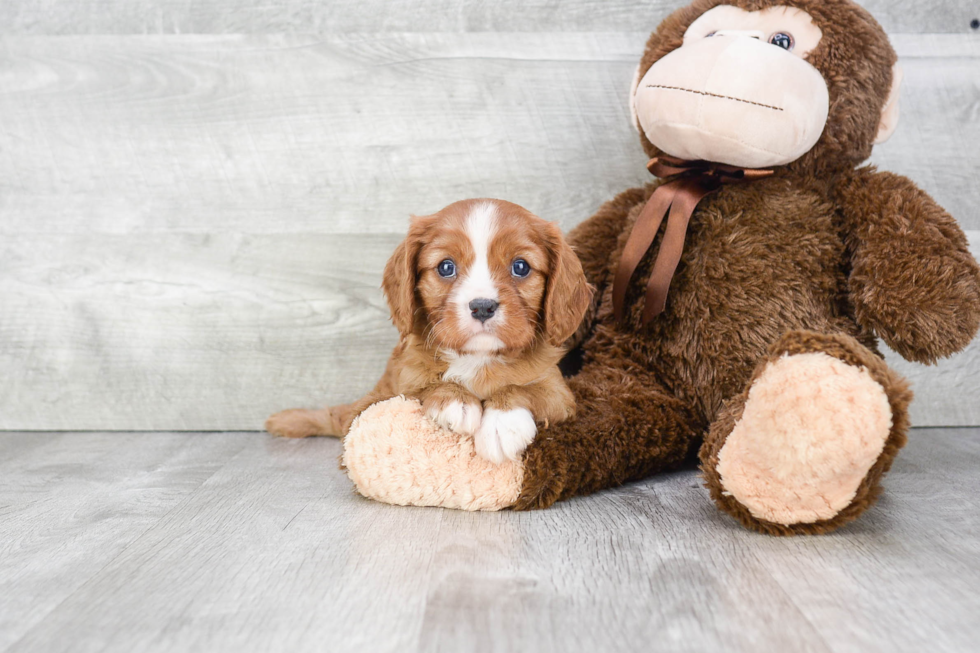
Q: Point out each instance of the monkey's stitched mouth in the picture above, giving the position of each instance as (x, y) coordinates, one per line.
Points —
(723, 97)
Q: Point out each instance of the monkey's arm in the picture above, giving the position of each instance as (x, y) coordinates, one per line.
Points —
(913, 280)
(594, 241)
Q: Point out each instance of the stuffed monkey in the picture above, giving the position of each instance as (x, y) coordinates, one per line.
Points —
(740, 297)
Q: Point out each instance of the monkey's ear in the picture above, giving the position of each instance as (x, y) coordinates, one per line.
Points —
(889, 113)
(633, 87)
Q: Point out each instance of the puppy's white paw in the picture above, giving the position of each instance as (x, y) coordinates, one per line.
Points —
(457, 416)
(505, 434)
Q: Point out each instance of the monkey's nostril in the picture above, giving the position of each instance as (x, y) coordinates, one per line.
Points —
(483, 309)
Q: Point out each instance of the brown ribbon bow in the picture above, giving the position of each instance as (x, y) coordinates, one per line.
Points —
(693, 181)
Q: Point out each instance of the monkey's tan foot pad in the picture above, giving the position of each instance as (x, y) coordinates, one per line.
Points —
(395, 454)
(811, 429)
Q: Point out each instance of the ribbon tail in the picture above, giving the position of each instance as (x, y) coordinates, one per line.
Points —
(641, 237)
(686, 199)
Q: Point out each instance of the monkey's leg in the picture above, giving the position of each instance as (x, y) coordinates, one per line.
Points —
(804, 447)
(626, 427)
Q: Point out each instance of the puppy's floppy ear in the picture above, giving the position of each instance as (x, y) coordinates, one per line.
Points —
(400, 278)
(568, 294)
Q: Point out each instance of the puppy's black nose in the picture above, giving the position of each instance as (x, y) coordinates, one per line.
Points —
(483, 309)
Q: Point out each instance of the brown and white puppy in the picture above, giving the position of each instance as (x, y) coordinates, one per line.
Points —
(484, 294)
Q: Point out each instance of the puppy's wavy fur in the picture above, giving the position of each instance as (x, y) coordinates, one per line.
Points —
(494, 378)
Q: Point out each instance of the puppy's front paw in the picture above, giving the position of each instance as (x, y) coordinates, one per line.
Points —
(505, 434)
(457, 416)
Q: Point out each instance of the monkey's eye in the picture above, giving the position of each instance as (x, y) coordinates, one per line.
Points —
(520, 268)
(782, 40)
(447, 269)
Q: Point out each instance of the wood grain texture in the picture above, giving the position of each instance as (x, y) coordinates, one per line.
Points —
(186, 332)
(273, 551)
(350, 134)
(71, 503)
(194, 227)
(44, 17)
(290, 134)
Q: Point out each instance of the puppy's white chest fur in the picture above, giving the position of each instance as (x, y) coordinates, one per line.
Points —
(464, 368)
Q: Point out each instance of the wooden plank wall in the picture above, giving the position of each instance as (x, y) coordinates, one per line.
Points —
(249, 16)
(197, 199)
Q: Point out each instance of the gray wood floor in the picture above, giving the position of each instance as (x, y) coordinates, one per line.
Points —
(240, 542)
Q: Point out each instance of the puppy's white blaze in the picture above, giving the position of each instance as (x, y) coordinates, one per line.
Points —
(505, 434)
(481, 225)
(477, 283)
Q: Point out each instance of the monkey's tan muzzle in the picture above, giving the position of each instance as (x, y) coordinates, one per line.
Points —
(734, 100)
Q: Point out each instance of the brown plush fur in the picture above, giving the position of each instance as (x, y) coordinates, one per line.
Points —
(898, 238)
(821, 257)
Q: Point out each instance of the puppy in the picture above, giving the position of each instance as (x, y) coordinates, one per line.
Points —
(484, 294)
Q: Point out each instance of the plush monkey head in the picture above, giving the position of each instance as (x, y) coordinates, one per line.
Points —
(807, 84)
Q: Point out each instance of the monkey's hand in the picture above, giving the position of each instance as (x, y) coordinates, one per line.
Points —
(913, 280)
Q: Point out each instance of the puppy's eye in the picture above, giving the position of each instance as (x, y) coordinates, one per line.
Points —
(782, 40)
(447, 269)
(520, 268)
